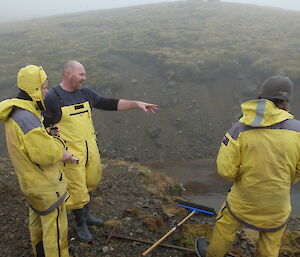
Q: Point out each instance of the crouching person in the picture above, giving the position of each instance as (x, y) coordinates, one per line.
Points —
(35, 156)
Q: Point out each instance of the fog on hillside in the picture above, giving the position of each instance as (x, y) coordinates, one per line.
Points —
(186, 56)
(15, 10)
(293, 5)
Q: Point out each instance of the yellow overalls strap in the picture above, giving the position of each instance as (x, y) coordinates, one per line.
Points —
(76, 122)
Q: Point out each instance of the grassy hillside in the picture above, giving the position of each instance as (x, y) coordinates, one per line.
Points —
(197, 60)
(191, 40)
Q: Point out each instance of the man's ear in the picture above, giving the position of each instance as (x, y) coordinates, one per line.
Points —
(67, 74)
(287, 105)
(284, 105)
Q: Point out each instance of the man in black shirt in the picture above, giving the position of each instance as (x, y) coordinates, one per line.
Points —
(68, 107)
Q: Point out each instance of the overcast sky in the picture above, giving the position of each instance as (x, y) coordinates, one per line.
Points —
(293, 5)
(12, 10)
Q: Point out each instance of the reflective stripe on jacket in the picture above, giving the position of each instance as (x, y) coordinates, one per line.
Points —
(261, 155)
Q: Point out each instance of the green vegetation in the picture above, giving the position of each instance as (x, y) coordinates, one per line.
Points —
(187, 41)
(189, 232)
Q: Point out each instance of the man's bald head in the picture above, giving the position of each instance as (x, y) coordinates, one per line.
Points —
(74, 75)
(71, 65)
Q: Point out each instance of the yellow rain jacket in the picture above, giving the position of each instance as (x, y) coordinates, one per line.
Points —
(35, 154)
(261, 155)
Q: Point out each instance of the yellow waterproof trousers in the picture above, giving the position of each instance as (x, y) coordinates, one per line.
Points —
(82, 177)
(49, 233)
(224, 233)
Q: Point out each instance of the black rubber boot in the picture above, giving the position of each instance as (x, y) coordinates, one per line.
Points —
(82, 230)
(201, 247)
(91, 220)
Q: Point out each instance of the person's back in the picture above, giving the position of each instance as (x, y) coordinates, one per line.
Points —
(260, 154)
(266, 154)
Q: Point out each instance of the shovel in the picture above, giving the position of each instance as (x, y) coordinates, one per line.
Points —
(193, 208)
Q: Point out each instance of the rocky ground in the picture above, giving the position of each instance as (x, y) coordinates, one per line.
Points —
(139, 204)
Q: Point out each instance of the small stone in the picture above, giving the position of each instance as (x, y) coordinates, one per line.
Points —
(139, 230)
(105, 249)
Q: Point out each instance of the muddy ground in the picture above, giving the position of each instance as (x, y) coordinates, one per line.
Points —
(135, 200)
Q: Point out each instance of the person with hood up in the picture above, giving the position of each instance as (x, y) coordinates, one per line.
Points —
(260, 154)
(69, 107)
(35, 156)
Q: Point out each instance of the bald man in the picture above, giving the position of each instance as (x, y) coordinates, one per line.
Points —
(68, 107)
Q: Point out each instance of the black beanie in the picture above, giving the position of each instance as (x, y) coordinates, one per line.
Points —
(277, 87)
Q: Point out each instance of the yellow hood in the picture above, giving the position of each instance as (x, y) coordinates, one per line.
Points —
(7, 106)
(262, 113)
(31, 79)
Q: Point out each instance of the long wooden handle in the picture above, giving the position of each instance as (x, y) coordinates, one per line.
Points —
(166, 235)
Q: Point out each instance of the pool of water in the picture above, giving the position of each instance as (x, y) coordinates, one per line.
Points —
(202, 183)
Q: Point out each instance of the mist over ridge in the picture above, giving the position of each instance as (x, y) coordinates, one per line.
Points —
(197, 60)
(15, 10)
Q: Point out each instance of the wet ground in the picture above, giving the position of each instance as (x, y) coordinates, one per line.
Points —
(137, 203)
(202, 183)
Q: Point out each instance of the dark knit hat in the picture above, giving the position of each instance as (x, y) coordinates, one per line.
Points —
(277, 87)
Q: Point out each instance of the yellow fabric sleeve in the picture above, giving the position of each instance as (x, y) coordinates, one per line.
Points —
(42, 148)
(228, 160)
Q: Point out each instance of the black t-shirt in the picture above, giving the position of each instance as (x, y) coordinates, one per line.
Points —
(58, 97)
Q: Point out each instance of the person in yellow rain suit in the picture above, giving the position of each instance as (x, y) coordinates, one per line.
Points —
(69, 108)
(35, 156)
(260, 154)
